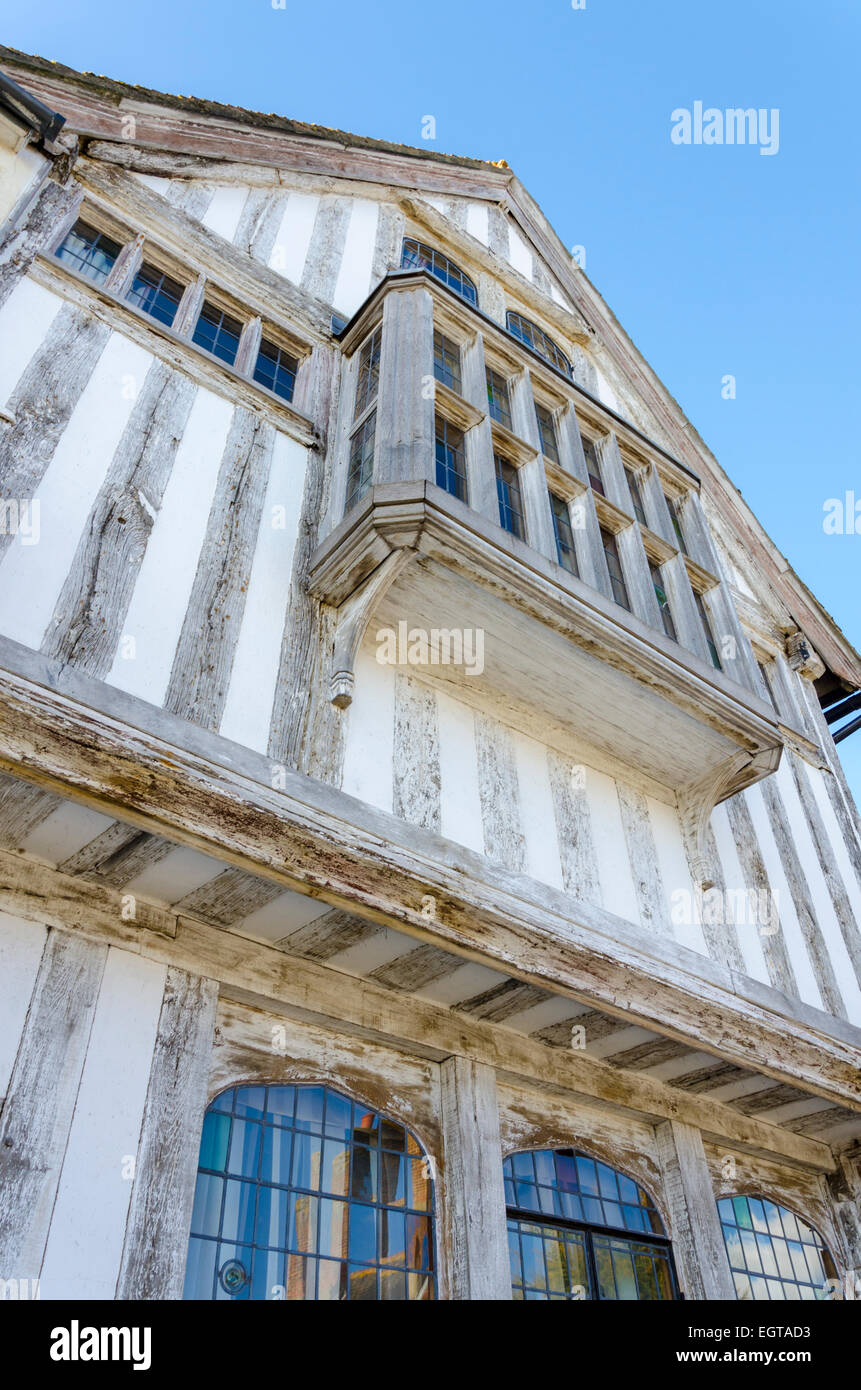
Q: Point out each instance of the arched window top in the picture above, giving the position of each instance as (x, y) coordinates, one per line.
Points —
(562, 1182)
(773, 1253)
(417, 256)
(579, 1229)
(304, 1193)
(535, 337)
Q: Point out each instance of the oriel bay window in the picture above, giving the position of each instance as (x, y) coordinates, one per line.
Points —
(579, 1229)
(450, 450)
(89, 251)
(508, 493)
(304, 1194)
(565, 553)
(614, 569)
(773, 1254)
(446, 362)
(416, 255)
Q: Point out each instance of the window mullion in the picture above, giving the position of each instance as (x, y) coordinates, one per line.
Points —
(125, 267)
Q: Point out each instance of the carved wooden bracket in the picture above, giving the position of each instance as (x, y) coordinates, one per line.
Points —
(697, 801)
(802, 657)
(354, 615)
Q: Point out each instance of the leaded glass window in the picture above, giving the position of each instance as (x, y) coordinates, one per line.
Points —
(540, 342)
(565, 552)
(217, 332)
(579, 1229)
(614, 569)
(360, 472)
(708, 631)
(305, 1194)
(446, 362)
(508, 495)
(156, 293)
(417, 256)
(450, 450)
(772, 1253)
(89, 252)
(498, 399)
(663, 601)
(369, 372)
(547, 432)
(636, 497)
(276, 369)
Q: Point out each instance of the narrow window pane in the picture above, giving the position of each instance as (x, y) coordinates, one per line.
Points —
(361, 467)
(217, 332)
(446, 362)
(276, 369)
(369, 372)
(547, 433)
(89, 252)
(498, 401)
(450, 459)
(508, 494)
(614, 569)
(155, 293)
(565, 552)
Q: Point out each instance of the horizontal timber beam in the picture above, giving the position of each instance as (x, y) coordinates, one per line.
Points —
(86, 740)
(253, 973)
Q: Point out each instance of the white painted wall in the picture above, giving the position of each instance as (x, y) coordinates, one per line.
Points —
(354, 277)
(290, 249)
(223, 214)
(85, 1242)
(248, 709)
(24, 321)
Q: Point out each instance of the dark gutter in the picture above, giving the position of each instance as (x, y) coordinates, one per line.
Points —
(30, 110)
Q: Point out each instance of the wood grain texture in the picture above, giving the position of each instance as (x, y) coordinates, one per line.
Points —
(203, 661)
(23, 808)
(574, 828)
(54, 204)
(849, 928)
(417, 969)
(37, 1113)
(416, 758)
(698, 1244)
(32, 890)
(643, 856)
(228, 898)
(328, 935)
(323, 262)
(88, 618)
(802, 898)
(259, 222)
(473, 1192)
(47, 392)
(499, 794)
(756, 880)
(156, 1243)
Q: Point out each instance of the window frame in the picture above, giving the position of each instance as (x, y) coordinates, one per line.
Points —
(454, 348)
(356, 455)
(499, 405)
(565, 504)
(659, 1241)
(368, 386)
(501, 462)
(783, 1280)
(451, 274)
(440, 417)
(240, 1103)
(621, 578)
(549, 357)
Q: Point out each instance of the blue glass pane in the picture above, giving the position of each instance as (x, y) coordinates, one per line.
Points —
(363, 1233)
(280, 1101)
(200, 1269)
(272, 1210)
(206, 1214)
(214, 1140)
(275, 1159)
(244, 1148)
(240, 1201)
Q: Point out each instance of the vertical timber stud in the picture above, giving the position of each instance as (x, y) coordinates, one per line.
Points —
(473, 1190)
(698, 1244)
(156, 1243)
(845, 1189)
(43, 1089)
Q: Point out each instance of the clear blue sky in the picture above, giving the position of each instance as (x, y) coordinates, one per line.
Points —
(716, 259)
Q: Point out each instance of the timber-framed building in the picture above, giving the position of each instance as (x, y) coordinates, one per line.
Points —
(426, 869)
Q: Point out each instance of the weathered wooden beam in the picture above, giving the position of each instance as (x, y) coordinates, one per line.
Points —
(698, 1244)
(37, 1112)
(32, 890)
(473, 1190)
(181, 781)
(265, 977)
(156, 1245)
